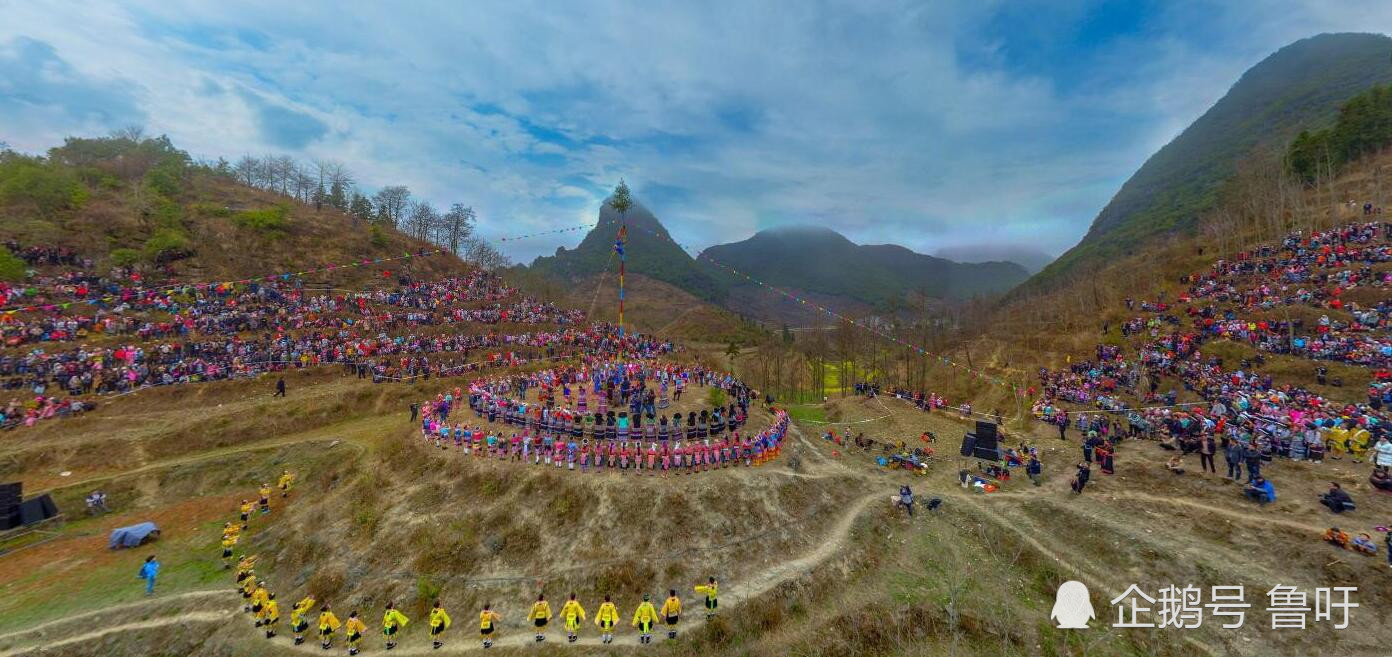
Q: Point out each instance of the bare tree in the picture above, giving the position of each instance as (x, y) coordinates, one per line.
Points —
(391, 203)
(245, 170)
(481, 254)
(132, 132)
(421, 219)
(456, 227)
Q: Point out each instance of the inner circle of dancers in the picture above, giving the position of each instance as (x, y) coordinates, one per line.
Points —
(606, 415)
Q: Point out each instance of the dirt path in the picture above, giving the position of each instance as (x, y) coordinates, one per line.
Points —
(121, 608)
(1239, 516)
(181, 619)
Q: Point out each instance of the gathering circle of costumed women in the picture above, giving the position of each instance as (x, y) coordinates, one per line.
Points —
(606, 415)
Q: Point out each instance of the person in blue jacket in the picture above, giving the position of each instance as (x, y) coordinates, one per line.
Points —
(1261, 490)
(148, 572)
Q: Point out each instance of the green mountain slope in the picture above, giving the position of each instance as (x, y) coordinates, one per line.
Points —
(820, 260)
(650, 252)
(1299, 86)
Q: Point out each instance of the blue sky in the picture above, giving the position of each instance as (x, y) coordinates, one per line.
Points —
(938, 125)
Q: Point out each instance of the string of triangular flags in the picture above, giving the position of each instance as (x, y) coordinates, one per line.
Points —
(569, 229)
(980, 375)
(49, 307)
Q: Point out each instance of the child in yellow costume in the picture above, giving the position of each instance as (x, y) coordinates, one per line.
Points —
(246, 566)
(573, 614)
(439, 622)
(298, 618)
(228, 542)
(248, 588)
(392, 622)
(259, 596)
(540, 616)
(328, 624)
(671, 613)
(606, 618)
(271, 612)
(643, 618)
(488, 623)
(286, 481)
(355, 629)
(709, 590)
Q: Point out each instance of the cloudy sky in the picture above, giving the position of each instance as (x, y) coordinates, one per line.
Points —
(935, 124)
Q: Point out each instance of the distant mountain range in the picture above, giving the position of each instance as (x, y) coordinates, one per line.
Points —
(820, 260)
(1298, 87)
(1031, 259)
(801, 259)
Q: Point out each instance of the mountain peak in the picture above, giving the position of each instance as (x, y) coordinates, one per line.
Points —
(1297, 87)
(650, 251)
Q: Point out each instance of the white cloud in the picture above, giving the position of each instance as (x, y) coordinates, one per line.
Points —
(862, 117)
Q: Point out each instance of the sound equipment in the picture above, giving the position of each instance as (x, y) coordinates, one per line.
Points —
(986, 447)
(977, 445)
(50, 509)
(969, 445)
(37, 510)
(10, 495)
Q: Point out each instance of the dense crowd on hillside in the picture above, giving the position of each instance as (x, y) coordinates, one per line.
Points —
(117, 334)
(136, 312)
(605, 414)
(1237, 297)
(1243, 414)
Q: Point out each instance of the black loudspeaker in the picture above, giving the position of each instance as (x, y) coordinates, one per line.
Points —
(9, 505)
(10, 495)
(50, 509)
(30, 512)
(986, 447)
(969, 445)
(36, 510)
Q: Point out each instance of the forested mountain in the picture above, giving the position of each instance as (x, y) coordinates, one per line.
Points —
(1298, 87)
(650, 252)
(821, 260)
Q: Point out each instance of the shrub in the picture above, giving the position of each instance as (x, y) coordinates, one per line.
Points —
(275, 219)
(211, 210)
(167, 244)
(717, 397)
(25, 180)
(11, 267)
(168, 214)
(124, 257)
(166, 177)
(427, 590)
(376, 235)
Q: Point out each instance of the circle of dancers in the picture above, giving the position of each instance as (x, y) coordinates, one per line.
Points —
(606, 416)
